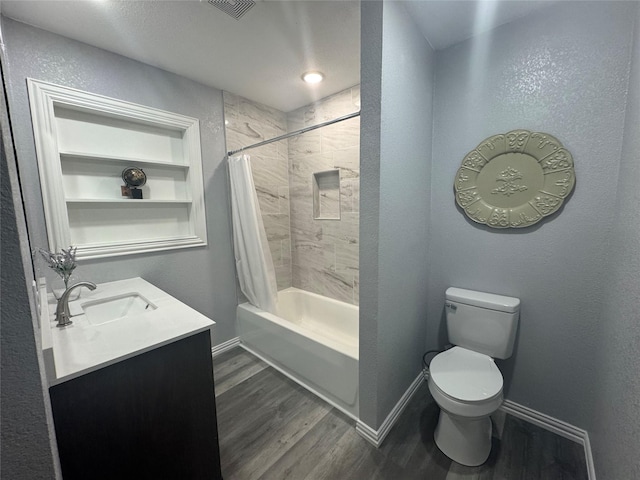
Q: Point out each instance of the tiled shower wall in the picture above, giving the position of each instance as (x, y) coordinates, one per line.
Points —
(249, 122)
(319, 256)
(325, 252)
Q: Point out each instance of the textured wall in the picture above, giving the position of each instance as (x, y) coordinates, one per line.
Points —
(615, 433)
(325, 252)
(562, 70)
(203, 277)
(25, 451)
(396, 174)
(370, 126)
(249, 122)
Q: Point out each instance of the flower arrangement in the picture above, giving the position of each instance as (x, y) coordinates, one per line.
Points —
(63, 263)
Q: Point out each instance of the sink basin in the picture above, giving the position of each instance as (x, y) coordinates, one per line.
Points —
(117, 307)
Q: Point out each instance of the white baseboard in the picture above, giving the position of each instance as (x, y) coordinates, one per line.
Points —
(591, 468)
(224, 346)
(556, 426)
(376, 437)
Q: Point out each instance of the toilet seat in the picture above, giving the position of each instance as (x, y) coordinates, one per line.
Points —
(465, 376)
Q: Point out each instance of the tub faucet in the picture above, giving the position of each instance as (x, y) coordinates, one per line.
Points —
(62, 310)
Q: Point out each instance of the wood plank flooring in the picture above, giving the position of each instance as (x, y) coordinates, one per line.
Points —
(270, 428)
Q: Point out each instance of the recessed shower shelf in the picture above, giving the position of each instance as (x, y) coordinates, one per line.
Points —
(326, 195)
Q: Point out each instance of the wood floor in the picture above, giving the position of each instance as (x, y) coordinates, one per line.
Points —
(270, 428)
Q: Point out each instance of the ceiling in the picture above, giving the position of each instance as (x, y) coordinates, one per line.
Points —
(447, 22)
(263, 55)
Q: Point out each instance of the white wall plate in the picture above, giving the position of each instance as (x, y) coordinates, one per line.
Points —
(514, 180)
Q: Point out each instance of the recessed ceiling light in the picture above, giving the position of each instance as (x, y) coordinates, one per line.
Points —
(313, 77)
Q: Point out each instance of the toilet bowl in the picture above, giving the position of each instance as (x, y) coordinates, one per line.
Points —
(467, 386)
(464, 380)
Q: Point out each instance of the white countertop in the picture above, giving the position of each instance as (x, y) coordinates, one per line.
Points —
(81, 348)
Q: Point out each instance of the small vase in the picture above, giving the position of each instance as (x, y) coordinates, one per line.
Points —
(58, 287)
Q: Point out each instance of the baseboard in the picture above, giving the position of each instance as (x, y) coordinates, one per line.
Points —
(224, 346)
(376, 437)
(556, 426)
(591, 468)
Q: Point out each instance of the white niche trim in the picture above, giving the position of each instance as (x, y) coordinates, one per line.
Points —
(84, 141)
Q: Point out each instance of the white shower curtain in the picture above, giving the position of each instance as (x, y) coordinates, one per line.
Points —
(254, 264)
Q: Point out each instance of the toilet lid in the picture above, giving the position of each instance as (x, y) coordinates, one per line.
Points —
(466, 375)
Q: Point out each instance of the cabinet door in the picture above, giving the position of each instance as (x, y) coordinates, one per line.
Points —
(152, 416)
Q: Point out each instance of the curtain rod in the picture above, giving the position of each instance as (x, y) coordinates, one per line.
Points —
(297, 132)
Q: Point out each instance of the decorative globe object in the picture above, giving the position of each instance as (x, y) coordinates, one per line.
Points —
(134, 177)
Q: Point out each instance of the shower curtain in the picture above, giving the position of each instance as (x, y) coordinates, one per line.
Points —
(254, 264)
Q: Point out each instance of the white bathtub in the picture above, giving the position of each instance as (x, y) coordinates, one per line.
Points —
(314, 341)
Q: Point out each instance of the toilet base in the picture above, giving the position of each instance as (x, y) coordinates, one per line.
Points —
(464, 440)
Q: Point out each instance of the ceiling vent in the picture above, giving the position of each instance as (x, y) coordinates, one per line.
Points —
(233, 8)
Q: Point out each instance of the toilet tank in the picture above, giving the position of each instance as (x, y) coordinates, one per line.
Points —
(482, 322)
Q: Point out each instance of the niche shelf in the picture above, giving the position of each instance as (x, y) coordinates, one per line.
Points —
(84, 141)
(326, 195)
(124, 200)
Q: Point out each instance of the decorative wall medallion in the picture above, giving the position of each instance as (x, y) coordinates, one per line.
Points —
(513, 180)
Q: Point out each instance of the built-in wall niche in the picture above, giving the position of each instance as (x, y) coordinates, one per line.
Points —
(326, 195)
(84, 142)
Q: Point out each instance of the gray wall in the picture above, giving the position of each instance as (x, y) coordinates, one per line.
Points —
(25, 450)
(395, 204)
(564, 71)
(370, 125)
(615, 433)
(204, 278)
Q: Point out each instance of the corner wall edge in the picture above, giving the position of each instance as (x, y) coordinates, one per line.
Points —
(376, 437)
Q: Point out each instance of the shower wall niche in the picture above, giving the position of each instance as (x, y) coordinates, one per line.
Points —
(326, 195)
(319, 255)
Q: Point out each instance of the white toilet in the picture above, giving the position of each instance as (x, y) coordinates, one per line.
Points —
(464, 380)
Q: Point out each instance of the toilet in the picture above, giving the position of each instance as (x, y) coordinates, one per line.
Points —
(464, 380)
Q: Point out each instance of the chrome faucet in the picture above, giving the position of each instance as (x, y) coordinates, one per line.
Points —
(62, 310)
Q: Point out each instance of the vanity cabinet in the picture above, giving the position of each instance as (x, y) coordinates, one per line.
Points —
(151, 416)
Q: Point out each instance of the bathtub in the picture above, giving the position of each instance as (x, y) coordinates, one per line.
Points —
(314, 341)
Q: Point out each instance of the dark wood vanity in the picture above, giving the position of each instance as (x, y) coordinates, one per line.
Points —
(151, 416)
